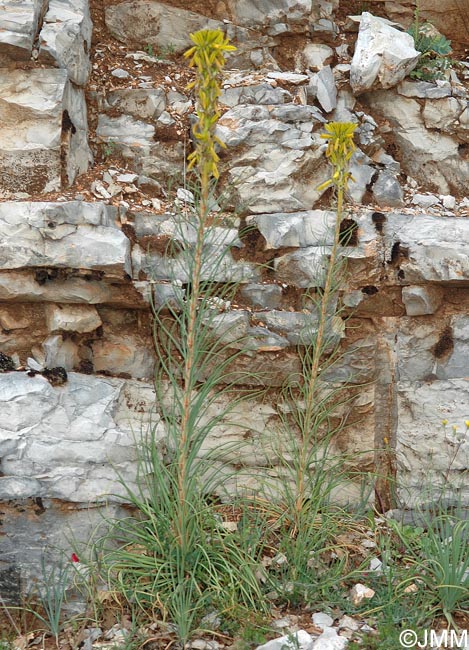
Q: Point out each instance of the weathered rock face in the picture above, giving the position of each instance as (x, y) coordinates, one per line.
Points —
(78, 279)
(430, 153)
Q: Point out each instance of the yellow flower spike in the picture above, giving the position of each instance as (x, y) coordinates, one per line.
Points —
(444, 422)
(466, 422)
(340, 149)
(208, 57)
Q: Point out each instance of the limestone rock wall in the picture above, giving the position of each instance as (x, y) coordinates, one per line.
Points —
(82, 250)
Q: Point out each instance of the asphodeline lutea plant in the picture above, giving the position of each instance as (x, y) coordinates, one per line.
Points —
(339, 151)
(208, 56)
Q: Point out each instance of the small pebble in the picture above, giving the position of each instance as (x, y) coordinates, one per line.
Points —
(120, 73)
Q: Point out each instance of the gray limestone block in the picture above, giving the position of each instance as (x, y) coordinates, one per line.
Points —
(142, 22)
(269, 178)
(75, 132)
(42, 531)
(47, 286)
(362, 174)
(19, 21)
(317, 55)
(322, 86)
(296, 229)
(303, 268)
(387, 191)
(65, 38)
(428, 248)
(298, 327)
(18, 487)
(176, 269)
(125, 130)
(443, 114)
(429, 349)
(266, 13)
(72, 318)
(261, 93)
(421, 300)
(30, 139)
(70, 234)
(424, 154)
(262, 296)
(424, 89)
(123, 356)
(87, 423)
(143, 103)
(432, 457)
(149, 22)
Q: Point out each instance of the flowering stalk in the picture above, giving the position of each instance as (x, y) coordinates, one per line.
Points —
(208, 56)
(339, 151)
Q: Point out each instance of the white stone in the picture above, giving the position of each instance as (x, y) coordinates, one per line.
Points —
(359, 593)
(322, 620)
(330, 640)
(17, 487)
(267, 172)
(424, 89)
(72, 318)
(155, 23)
(120, 73)
(265, 13)
(139, 102)
(294, 78)
(60, 351)
(421, 300)
(449, 202)
(123, 355)
(425, 200)
(387, 191)
(300, 640)
(185, 195)
(316, 55)
(362, 173)
(166, 119)
(125, 130)
(424, 154)
(322, 86)
(85, 425)
(348, 623)
(162, 26)
(383, 55)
